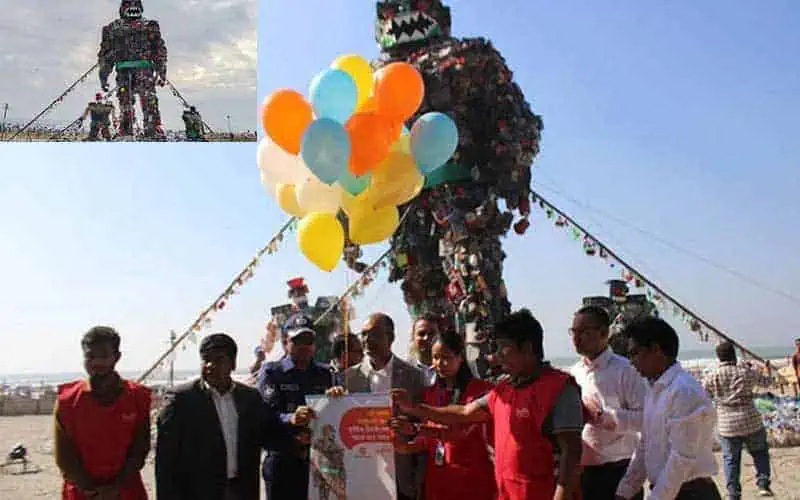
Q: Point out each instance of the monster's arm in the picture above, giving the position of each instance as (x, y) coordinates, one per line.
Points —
(105, 58)
(511, 130)
(158, 49)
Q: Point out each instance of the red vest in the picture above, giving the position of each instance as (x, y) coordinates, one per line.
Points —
(524, 467)
(467, 468)
(103, 434)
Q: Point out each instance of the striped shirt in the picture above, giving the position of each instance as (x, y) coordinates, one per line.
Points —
(731, 387)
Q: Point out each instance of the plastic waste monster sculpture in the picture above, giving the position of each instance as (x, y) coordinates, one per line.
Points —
(132, 45)
(448, 253)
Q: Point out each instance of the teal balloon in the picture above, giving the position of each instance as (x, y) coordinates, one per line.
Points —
(334, 95)
(434, 139)
(325, 149)
(354, 184)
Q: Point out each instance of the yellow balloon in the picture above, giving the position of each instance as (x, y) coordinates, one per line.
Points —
(369, 226)
(287, 199)
(320, 237)
(402, 145)
(397, 180)
(361, 72)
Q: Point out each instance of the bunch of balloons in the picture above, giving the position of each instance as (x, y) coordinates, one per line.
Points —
(345, 147)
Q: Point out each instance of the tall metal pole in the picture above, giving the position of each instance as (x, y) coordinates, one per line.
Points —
(172, 338)
(5, 113)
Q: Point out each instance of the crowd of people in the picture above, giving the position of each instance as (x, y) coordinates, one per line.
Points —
(609, 427)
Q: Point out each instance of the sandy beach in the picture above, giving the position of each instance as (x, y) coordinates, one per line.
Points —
(35, 431)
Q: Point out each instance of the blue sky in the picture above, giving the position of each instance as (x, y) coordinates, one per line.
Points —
(673, 117)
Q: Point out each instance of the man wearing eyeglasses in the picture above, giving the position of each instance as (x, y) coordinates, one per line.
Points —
(613, 394)
(284, 385)
(380, 372)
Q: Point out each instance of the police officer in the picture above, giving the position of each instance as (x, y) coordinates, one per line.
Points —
(284, 385)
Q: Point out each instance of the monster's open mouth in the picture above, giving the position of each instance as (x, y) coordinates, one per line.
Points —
(409, 27)
(133, 12)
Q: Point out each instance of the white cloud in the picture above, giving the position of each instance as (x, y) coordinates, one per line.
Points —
(46, 45)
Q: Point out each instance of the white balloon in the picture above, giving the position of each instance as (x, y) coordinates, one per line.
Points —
(279, 165)
(268, 183)
(313, 195)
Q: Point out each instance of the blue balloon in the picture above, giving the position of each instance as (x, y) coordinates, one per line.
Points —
(434, 139)
(325, 149)
(354, 184)
(334, 95)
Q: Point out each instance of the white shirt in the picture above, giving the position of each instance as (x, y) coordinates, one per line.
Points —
(381, 380)
(677, 436)
(428, 371)
(229, 422)
(614, 383)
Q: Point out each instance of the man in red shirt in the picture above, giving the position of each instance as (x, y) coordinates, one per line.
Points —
(102, 426)
(536, 414)
(796, 359)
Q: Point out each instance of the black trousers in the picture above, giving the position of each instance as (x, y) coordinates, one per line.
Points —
(702, 488)
(599, 482)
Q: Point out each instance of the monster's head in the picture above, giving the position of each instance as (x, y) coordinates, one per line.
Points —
(131, 9)
(410, 22)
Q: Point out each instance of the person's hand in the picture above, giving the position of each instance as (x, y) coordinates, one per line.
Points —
(336, 392)
(303, 437)
(402, 401)
(594, 410)
(402, 426)
(104, 86)
(161, 80)
(302, 416)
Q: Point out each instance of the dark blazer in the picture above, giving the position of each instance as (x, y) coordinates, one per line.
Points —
(190, 448)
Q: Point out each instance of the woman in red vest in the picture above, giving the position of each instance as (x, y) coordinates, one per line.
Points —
(458, 463)
(102, 427)
(537, 417)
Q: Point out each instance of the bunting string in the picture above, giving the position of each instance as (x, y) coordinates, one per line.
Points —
(56, 101)
(663, 300)
(206, 316)
(366, 278)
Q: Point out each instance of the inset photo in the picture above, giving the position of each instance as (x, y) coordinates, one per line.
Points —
(128, 70)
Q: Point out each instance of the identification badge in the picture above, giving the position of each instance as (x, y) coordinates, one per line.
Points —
(438, 455)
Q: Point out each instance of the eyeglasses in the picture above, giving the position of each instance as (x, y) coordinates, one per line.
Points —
(366, 333)
(580, 333)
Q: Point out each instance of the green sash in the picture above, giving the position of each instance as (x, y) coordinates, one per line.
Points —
(450, 172)
(134, 64)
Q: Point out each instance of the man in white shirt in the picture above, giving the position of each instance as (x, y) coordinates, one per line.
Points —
(379, 372)
(423, 331)
(613, 393)
(675, 450)
(212, 431)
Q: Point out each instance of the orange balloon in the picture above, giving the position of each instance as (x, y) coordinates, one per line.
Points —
(285, 116)
(369, 141)
(395, 131)
(368, 105)
(399, 89)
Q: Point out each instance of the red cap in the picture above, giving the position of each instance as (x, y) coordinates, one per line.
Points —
(295, 283)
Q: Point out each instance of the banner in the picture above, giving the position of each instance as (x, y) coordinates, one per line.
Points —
(352, 457)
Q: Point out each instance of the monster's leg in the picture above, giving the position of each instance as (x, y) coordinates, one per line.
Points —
(125, 97)
(147, 93)
(93, 130)
(486, 302)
